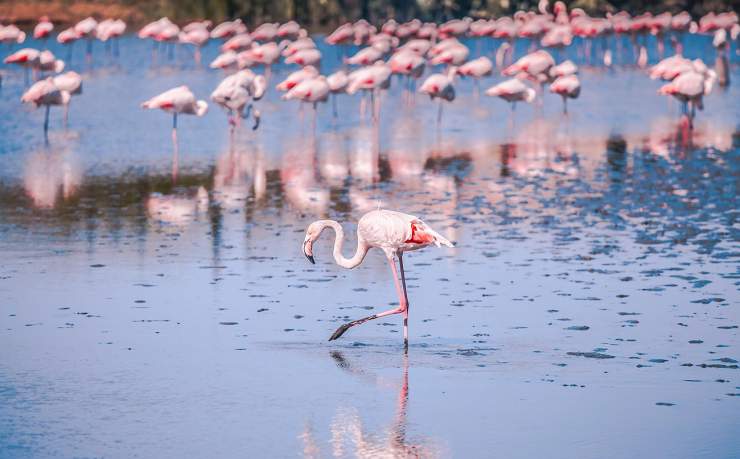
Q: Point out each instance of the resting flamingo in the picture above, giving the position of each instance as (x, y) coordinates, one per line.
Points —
(175, 101)
(392, 232)
(45, 93)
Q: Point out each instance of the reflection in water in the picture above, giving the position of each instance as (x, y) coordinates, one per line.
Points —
(49, 174)
(177, 209)
(543, 170)
(351, 438)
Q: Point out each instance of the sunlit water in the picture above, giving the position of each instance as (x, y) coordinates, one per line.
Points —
(588, 310)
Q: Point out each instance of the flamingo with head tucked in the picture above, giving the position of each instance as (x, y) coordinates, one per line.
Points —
(440, 86)
(45, 93)
(177, 100)
(392, 232)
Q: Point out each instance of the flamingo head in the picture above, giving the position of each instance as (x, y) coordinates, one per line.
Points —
(312, 233)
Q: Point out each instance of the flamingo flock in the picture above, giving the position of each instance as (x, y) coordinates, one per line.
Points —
(436, 58)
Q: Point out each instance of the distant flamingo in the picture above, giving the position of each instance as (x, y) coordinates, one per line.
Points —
(45, 93)
(71, 83)
(439, 86)
(43, 29)
(337, 82)
(513, 91)
(370, 79)
(392, 232)
(236, 92)
(477, 69)
(312, 90)
(175, 101)
(568, 87)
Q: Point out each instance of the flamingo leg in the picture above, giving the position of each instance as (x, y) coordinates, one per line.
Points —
(406, 299)
(401, 309)
(175, 159)
(46, 124)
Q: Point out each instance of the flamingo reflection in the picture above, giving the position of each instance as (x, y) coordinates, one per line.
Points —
(50, 174)
(350, 437)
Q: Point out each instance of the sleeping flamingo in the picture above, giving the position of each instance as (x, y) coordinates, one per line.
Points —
(392, 232)
(177, 100)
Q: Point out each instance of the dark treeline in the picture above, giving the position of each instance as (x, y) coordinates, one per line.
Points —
(325, 14)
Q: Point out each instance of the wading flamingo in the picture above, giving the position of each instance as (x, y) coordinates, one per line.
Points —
(392, 232)
(175, 101)
(45, 93)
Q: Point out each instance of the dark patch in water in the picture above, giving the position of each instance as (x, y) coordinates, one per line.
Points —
(591, 355)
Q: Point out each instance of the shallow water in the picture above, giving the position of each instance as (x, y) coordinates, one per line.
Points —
(588, 310)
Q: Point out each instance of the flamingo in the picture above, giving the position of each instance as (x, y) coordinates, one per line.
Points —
(567, 87)
(337, 82)
(109, 29)
(513, 91)
(43, 29)
(45, 93)
(228, 29)
(303, 57)
(477, 69)
(312, 90)
(266, 32)
(365, 56)
(12, 34)
(298, 45)
(237, 91)
(175, 101)
(296, 77)
(371, 78)
(71, 83)
(238, 42)
(196, 34)
(407, 62)
(690, 88)
(439, 86)
(68, 37)
(86, 28)
(289, 30)
(392, 232)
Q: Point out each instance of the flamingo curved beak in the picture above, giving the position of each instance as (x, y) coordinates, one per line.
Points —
(307, 251)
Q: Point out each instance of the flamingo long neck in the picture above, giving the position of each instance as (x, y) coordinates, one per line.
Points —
(360, 253)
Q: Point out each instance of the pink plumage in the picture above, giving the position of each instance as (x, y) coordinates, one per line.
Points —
(392, 232)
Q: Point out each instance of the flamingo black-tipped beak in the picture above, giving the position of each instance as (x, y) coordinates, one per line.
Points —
(309, 256)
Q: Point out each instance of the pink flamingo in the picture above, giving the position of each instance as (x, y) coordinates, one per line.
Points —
(568, 87)
(12, 34)
(513, 91)
(303, 57)
(371, 79)
(43, 29)
(46, 93)
(392, 232)
(236, 92)
(228, 29)
(196, 34)
(175, 101)
(477, 69)
(439, 86)
(71, 83)
(312, 90)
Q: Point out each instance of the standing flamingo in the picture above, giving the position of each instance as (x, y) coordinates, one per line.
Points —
(236, 93)
(440, 86)
(177, 100)
(392, 232)
(46, 93)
